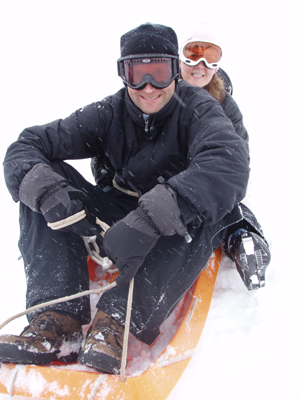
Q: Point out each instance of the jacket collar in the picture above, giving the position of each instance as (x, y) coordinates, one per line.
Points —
(151, 123)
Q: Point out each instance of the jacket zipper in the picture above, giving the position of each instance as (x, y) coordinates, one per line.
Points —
(146, 119)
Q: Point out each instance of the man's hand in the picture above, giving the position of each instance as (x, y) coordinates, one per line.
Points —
(64, 207)
(130, 240)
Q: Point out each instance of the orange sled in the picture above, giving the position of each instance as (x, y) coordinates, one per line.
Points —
(156, 382)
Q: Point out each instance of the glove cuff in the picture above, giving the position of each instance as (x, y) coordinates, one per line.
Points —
(148, 220)
(160, 204)
(37, 183)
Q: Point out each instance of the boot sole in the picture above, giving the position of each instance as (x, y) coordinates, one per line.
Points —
(14, 355)
(100, 362)
(253, 262)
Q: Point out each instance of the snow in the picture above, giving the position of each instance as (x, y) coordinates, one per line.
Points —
(61, 55)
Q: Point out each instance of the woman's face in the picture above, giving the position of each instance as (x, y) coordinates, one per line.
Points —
(199, 75)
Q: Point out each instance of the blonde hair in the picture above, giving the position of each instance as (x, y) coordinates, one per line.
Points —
(216, 88)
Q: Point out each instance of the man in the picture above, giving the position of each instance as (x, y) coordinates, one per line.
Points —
(179, 172)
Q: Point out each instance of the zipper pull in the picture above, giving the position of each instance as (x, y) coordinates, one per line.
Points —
(146, 119)
(187, 237)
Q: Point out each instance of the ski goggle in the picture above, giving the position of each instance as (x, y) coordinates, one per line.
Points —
(195, 51)
(157, 69)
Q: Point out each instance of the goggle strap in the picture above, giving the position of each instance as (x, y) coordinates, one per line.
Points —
(199, 41)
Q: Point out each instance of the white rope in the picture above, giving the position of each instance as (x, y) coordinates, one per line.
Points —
(67, 221)
(103, 225)
(106, 264)
(97, 384)
(94, 252)
(61, 300)
(85, 293)
(127, 191)
(13, 380)
(126, 331)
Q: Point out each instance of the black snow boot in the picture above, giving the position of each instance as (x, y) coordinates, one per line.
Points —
(49, 337)
(251, 255)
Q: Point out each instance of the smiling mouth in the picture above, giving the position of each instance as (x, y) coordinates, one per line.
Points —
(151, 98)
(195, 75)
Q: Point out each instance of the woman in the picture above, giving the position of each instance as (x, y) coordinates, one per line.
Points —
(197, 71)
(200, 55)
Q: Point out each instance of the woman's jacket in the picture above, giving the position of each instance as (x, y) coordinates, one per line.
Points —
(233, 112)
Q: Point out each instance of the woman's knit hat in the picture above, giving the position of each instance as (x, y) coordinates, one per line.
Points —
(149, 39)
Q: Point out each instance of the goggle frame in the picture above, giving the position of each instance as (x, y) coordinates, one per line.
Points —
(148, 78)
(193, 63)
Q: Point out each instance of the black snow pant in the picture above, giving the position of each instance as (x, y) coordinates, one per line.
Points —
(56, 262)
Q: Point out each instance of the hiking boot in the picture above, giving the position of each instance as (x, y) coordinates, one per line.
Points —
(49, 337)
(252, 256)
(103, 346)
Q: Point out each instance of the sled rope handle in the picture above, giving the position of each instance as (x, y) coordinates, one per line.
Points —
(106, 263)
(67, 221)
(60, 300)
(125, 343)
(88, 240)
(72, 219)
(86, 293)
(126, 331)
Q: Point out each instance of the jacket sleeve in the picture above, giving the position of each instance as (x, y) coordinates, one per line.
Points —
(217, 176)
(75, 137)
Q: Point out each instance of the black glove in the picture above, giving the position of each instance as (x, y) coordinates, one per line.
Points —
(130, 240)
(45, 191)
(160, 204)
(61, 207)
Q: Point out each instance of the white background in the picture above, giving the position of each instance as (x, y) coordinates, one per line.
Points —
(58, 56)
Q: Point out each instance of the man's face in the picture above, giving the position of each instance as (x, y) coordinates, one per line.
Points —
(151, 100)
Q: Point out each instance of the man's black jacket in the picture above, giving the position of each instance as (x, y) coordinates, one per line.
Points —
(190, 144)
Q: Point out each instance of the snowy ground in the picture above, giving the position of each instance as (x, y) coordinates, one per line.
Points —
(59, 56)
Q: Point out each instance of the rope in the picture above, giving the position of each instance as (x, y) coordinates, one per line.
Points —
(61, 300)
(127, 191)
(97, 384)
(67, 221)
(88, 240)
(106, 264)
(126, 331)
(85, 293)
(13, 381)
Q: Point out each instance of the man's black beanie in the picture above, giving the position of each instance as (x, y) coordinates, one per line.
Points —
(149, 39)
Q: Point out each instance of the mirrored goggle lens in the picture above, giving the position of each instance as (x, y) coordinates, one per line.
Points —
(195, 52)
(137, 72)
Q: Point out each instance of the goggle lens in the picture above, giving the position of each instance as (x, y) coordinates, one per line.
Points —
(158, 71)
(194, 52)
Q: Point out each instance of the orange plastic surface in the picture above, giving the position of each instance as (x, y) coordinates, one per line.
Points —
(155, 383)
